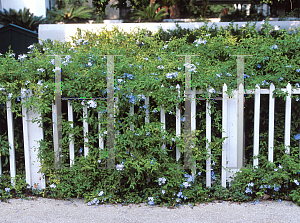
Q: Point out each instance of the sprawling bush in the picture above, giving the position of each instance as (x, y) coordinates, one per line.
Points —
(149, 66)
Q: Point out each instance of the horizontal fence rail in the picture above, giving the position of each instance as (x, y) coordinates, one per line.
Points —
(32, 133)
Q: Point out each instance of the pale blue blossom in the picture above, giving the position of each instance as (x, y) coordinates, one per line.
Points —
(2, 88)
(120, 167)
(275, 169)
(248, 190)
(165, 47)
(296, 182)
(200, 41)
(163, 192)
(146, 58)
(52, 185)
(274, 47)
(7, 190)
(186, 184)
(92, 104)
(179, 194)
(171, 75)
(298, 70)
(101, 193)
(30, 47)
(279, 166)
(161, 180)
(79, 41)
(40, 83)
(40, 69)
(161, 67)
(22, 57)
(280, 79)
(10, 96)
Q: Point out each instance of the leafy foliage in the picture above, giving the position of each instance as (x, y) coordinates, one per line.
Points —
(149, 14)
(144, 170)
(70, 14)
(21, 18)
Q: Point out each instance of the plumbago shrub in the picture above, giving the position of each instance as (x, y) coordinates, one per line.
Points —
(149, 66)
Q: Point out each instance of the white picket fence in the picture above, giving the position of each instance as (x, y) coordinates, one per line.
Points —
(232, 147)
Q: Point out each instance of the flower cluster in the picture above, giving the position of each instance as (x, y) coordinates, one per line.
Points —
(200, 41)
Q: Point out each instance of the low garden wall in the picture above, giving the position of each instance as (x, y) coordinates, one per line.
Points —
(64, 31)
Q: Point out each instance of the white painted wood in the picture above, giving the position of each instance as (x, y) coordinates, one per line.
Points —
(26, 145)
(231, 152)
(163, 121)
(193, 122)
(271, 123)
(178, 127)
(224, 134)
(132, 113)
(240, 126)
(85, 130)
(101, 141)
(10, 129)
(147, 120)
(208, 140)
(71, 145)
(34, 135)
(288, 114)
(256, 125)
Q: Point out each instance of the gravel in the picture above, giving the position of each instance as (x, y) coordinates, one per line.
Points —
(76, 210)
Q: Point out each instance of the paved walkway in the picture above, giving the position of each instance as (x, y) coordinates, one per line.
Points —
(76, 210)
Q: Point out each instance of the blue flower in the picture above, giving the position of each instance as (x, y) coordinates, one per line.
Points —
(258, 65)
(248, 190)
(297, 137)
(274, 47)
(298, 70)
(280, 79)
(159, 58)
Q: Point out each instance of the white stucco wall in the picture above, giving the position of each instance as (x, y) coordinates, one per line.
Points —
(64, 31)
(37, 7)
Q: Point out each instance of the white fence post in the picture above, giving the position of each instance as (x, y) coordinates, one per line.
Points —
(71, 145)
(288, 113)
(163, 120)
(271, 122)
(178, 125)
(208, 140)
(224, 134)
(193, 121)
(256, 125)
(10, 128)
(31, 138)
(85, 130)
